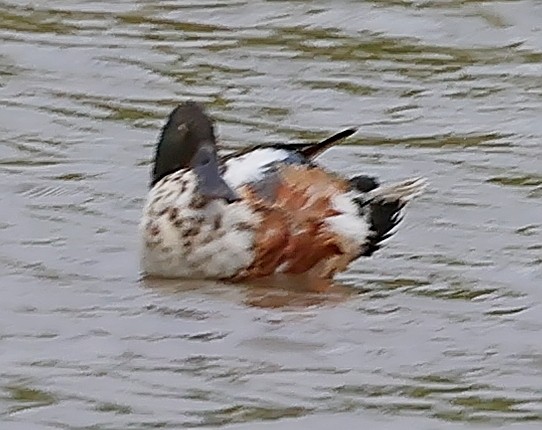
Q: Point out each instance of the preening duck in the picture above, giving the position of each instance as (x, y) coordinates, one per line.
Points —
(260, 211)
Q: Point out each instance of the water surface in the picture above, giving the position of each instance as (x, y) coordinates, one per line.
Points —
(440, 330)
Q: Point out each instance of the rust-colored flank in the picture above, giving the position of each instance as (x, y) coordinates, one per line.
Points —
(293, 237)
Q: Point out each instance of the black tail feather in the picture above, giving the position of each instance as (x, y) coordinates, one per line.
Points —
(383, 218)
(383, 206)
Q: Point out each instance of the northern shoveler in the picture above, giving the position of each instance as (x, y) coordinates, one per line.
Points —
(260, 211)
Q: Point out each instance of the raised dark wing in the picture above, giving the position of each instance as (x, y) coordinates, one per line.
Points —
(307, 150)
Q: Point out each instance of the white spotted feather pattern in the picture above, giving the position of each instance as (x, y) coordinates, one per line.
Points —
(184, 239)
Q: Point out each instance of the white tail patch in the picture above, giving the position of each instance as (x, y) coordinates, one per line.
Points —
(355, 226)
(348, 223)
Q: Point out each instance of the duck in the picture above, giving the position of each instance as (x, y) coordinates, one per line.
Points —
(259, 211)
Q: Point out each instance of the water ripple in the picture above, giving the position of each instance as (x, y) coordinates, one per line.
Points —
(439, 330)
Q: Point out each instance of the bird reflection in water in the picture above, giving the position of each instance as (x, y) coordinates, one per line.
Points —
(275, 292)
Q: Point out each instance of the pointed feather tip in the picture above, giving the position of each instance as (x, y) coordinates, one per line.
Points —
(404, 191)
(343, 134)
(350, 131)
(416, 186)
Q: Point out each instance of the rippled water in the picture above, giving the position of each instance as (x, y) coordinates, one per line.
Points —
(440, 330)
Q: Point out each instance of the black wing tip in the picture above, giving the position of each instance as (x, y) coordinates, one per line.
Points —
(307, 150)
(312, 150)
(343, 134)
(347, 132)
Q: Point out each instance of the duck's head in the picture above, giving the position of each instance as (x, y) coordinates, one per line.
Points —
(188, 141)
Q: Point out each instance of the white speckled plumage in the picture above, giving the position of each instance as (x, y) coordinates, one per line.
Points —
(184, 240)
(259, 211)
(216, 240)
